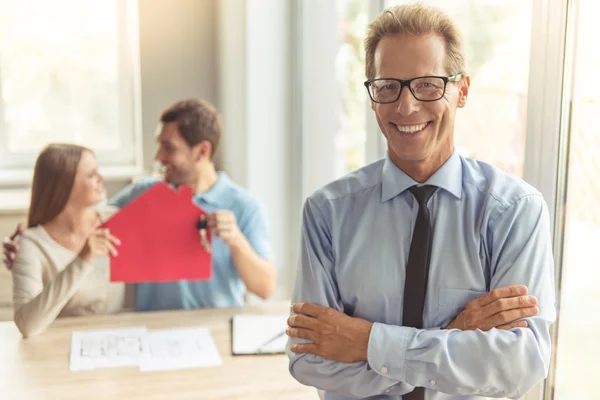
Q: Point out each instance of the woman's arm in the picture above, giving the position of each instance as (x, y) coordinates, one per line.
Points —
(37, 305)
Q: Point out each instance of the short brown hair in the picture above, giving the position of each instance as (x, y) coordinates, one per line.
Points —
(197, 120)
(416, 19)
(53, 177)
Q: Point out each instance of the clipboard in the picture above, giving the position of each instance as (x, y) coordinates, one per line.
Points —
(258, 334)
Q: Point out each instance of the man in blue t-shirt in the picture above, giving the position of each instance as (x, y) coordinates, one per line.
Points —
(188, 136)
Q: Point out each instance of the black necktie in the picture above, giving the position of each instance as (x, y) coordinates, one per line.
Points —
(417, 270)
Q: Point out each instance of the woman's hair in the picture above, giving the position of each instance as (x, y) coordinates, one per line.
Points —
(53, 177)
(416, 19)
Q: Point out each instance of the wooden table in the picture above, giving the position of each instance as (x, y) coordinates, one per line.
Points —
(38, 368)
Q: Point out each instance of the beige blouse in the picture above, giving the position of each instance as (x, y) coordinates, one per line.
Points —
(50, 281)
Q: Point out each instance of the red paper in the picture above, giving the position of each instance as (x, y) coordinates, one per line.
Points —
(159, 238)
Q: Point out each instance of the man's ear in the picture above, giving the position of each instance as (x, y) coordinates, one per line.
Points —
(203, 150)
(463, 91)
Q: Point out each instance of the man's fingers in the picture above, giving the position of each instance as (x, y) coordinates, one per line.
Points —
(220, 225)
(9, 243)
(512, 325)
(9, 255)
(10, 247)
(218, 216)
(305, 348)
(507, 317)
(309, 309)
(224, 218)
(17, 232)
(506, 304)
(301, 333)
(501, 293)
(302, 321)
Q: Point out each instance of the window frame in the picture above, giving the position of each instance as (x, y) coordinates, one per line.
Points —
(17, 168)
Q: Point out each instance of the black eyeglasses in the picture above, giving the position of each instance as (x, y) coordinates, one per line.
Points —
(423, 88)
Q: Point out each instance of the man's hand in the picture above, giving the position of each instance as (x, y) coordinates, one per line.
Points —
(223, 225)
(10, 247)
(501, 308)
(334, 335)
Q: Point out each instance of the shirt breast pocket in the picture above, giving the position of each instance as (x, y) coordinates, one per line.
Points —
(452, 301)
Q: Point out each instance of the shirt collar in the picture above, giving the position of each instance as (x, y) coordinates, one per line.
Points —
(215, 194)
(448, 177)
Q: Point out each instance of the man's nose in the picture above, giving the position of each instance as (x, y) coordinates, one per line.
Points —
(407, 104)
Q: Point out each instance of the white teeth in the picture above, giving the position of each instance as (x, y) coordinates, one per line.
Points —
(411, 128)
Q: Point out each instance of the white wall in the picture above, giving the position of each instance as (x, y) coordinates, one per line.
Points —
(255, 93)
(321, 94)
(178, 56)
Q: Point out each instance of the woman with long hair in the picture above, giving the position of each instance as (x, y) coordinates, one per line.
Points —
(62, 268)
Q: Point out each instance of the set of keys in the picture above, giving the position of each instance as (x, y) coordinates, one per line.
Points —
(202, 226)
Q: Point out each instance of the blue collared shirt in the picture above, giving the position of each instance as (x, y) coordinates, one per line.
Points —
(225, 289)
(490, 230)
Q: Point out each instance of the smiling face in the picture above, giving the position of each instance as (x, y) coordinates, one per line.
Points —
(420, 135)
(179, 160)
(88, 186)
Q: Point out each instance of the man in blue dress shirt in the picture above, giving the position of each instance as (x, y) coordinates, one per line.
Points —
(188, 135)
(482, 335)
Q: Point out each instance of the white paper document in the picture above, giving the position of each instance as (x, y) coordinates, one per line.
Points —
(258, 334)
(180, 348)
(148, 350)
(108, 348)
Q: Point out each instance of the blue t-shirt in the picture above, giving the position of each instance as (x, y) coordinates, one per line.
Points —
(225, 289)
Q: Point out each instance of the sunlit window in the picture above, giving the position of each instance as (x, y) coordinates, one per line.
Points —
(579, 329)
(350, 71)
(67, 74)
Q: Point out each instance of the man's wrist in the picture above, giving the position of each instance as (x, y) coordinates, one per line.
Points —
(238, 244)
(364, 355)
